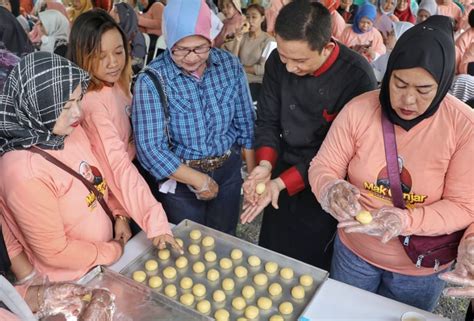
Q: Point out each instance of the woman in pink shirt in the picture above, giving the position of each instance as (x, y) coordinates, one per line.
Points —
(450, 9)
(362, 36)
(233, 23)
(59, 222)
(337, 21)
(107, 120)
(349, 173)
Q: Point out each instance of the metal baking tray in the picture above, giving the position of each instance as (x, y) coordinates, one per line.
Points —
(224, 244)
(135, 302)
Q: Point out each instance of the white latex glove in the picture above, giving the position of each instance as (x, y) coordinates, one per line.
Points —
(387, 222)
(463, 273)
(340, 199)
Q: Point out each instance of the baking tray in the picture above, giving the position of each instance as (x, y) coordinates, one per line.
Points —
(135, 302)
(224, 243)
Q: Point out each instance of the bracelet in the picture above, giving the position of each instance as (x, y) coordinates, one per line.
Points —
(26, 278)
(122, 218)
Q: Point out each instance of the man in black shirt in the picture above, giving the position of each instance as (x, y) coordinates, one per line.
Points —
(307, 81)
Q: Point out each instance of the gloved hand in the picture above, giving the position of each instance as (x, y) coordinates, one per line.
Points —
(57, 298)
(208, 190)
(340, 199)
(101, 307)
(463, 273)
(387, 222)
(271, 194)
(260, 174)
(161, 240)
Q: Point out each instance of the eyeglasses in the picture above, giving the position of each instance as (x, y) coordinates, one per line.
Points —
(183, 52)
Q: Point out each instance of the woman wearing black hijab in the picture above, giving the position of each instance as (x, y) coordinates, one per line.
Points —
(13, 35)
(431, 148)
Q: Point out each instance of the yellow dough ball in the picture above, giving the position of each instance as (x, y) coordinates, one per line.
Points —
(286, 308)
(87, 297)
(186, 283)
(170, 290)
(238, 303)
(251, 312)
(297, 292)
(203, 306)
(181, 262)
(194, 249)
(222, 315)
(275, 289)
(236, 254)
(260, 188)
(271, 267)
(287, 273)
(364, 217)
(254, 261)
(208, 241)
(210, 256)
(164, 254)
(264, 303)
(241, 272)
(248, 292)
(195, 235)
(187, 299)
(199, 267)
(199, 290)
(179, 241)
(155, 282)
(225, 263)
(306, 280)
(276, 317)
(260, 279)
(151, 266)
(212, 275)
(228, 284)
(139, 276)
(218, 296)
(169, 272)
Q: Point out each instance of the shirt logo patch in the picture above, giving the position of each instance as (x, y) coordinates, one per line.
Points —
(329, 117)
(93, 175)
(381, 188)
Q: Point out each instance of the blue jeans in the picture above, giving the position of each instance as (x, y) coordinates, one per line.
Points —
(220, 213)
(420, 291)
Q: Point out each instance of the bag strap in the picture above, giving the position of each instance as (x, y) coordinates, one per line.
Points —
(89, 185)
(391, 156)
(164, 101)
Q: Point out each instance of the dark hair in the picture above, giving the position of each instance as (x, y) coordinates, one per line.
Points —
(471, 18)
(306, 21)
(85, 42)
(260, 10)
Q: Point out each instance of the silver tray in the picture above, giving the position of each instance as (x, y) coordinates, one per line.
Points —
(224, 243)
(135, 302)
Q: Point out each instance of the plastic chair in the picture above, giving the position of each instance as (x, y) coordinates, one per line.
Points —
(147, 47)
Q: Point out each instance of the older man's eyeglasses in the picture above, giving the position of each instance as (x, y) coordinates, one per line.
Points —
(183, 52)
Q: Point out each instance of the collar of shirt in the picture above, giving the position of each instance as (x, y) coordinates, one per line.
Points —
(329, 61)
(213, 60)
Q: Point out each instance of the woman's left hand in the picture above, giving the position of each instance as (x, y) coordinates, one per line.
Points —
(122, 230)
(160, 241)
(463, 273)
(388, 222)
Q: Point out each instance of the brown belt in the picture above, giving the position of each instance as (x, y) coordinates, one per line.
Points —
(208, 164)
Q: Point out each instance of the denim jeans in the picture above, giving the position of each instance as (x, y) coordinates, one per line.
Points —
(220, 213)
(420, 291)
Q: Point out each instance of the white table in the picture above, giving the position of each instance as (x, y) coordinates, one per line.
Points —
(336, 301)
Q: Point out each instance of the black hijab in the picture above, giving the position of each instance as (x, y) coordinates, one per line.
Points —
(429, 45)
(13, 35)
(15, 4)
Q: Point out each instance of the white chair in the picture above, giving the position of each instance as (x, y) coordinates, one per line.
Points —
(147, 47)
(160, 44)
(268, 49)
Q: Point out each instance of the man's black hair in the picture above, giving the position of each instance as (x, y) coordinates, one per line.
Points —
(303, 20)
(471, 18)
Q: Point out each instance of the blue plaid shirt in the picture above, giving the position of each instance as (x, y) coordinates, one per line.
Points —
(207, 115)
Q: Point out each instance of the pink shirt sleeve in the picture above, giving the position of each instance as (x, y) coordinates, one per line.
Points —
(7, 316)
(126, 183)
(338, 25)
(42, 226)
